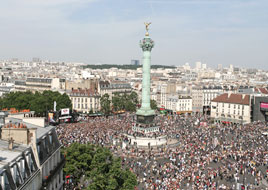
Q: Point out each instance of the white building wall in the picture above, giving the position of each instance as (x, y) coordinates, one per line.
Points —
(197, 100)
(85, 104)
(184, 105)
(230, 111)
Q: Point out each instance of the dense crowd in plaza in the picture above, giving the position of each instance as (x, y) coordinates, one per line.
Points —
(206, 157)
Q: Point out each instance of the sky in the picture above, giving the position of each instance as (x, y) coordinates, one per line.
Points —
(108, 31)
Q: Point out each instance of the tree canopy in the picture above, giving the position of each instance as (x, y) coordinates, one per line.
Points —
(105, 103)
(101, 169)
(153, 104)
(127, 102)
(38, 102)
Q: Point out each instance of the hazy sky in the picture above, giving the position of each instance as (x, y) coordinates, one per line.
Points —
(108, 31)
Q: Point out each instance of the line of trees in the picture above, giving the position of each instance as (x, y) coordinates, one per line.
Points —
(126, 102)
(38, 102)
(95, 168)
(132, 67)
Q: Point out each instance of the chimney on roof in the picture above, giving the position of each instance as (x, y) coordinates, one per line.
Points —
(10, 144)
(31, 136)
(229, 94)
(243, 96)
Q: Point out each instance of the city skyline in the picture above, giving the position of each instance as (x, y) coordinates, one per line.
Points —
(104, 31)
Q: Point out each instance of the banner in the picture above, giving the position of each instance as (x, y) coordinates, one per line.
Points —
(264, 105)
(65, 111)
(50, 117)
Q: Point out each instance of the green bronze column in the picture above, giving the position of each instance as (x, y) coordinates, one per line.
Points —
(145, 114)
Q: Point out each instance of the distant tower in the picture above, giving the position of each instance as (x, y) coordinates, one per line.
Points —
(220, 67)
(231, 68)
(198, 65)
(204, 66)
(135, 62)
(145, 115)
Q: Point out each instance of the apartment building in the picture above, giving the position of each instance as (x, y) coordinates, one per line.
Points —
(6, 88)
(30, 154)
(231, 108)
(179, 104)
(209, 93)
(202, 96)
(85, 101)
(197, 99)
(88, 83)
(40, 84)
(112, 87)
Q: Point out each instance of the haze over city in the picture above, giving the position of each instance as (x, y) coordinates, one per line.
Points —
(108, 31)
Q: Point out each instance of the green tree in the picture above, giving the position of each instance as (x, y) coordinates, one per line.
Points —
(38, 102)
(132, 101)
(117, 102)
(102, 170)
(134, 97)
(78, 160)
(63, 101)
(105, 104)
(153, 104)
(125, 101)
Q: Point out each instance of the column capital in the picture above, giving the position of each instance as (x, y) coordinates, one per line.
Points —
(147, 44)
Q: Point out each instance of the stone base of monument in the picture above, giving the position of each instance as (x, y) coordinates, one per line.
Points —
(146, 142)
(146, 130)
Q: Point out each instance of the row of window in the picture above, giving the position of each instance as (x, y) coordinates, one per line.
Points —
(180, 101)
(234, 106)
(83, 99)
(20, 170)
(234, 112)
(85, 106)
(48, 144)
(229, 116)
(184, 100)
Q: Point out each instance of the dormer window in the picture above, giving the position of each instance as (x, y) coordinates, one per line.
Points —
(30, 162)
(5, 184)
(16, 174)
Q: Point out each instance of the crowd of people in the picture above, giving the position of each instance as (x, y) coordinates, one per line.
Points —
(217, 156)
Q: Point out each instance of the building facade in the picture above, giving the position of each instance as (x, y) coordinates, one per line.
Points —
(85, 101)
(110, 88)
(40, 84)
(231, 108)
(179, 104)
(209, 93)
(30, 155)
(197, 99)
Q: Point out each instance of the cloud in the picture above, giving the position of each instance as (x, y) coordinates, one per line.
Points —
(109, 31)
(51, 2)
(23, 10)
